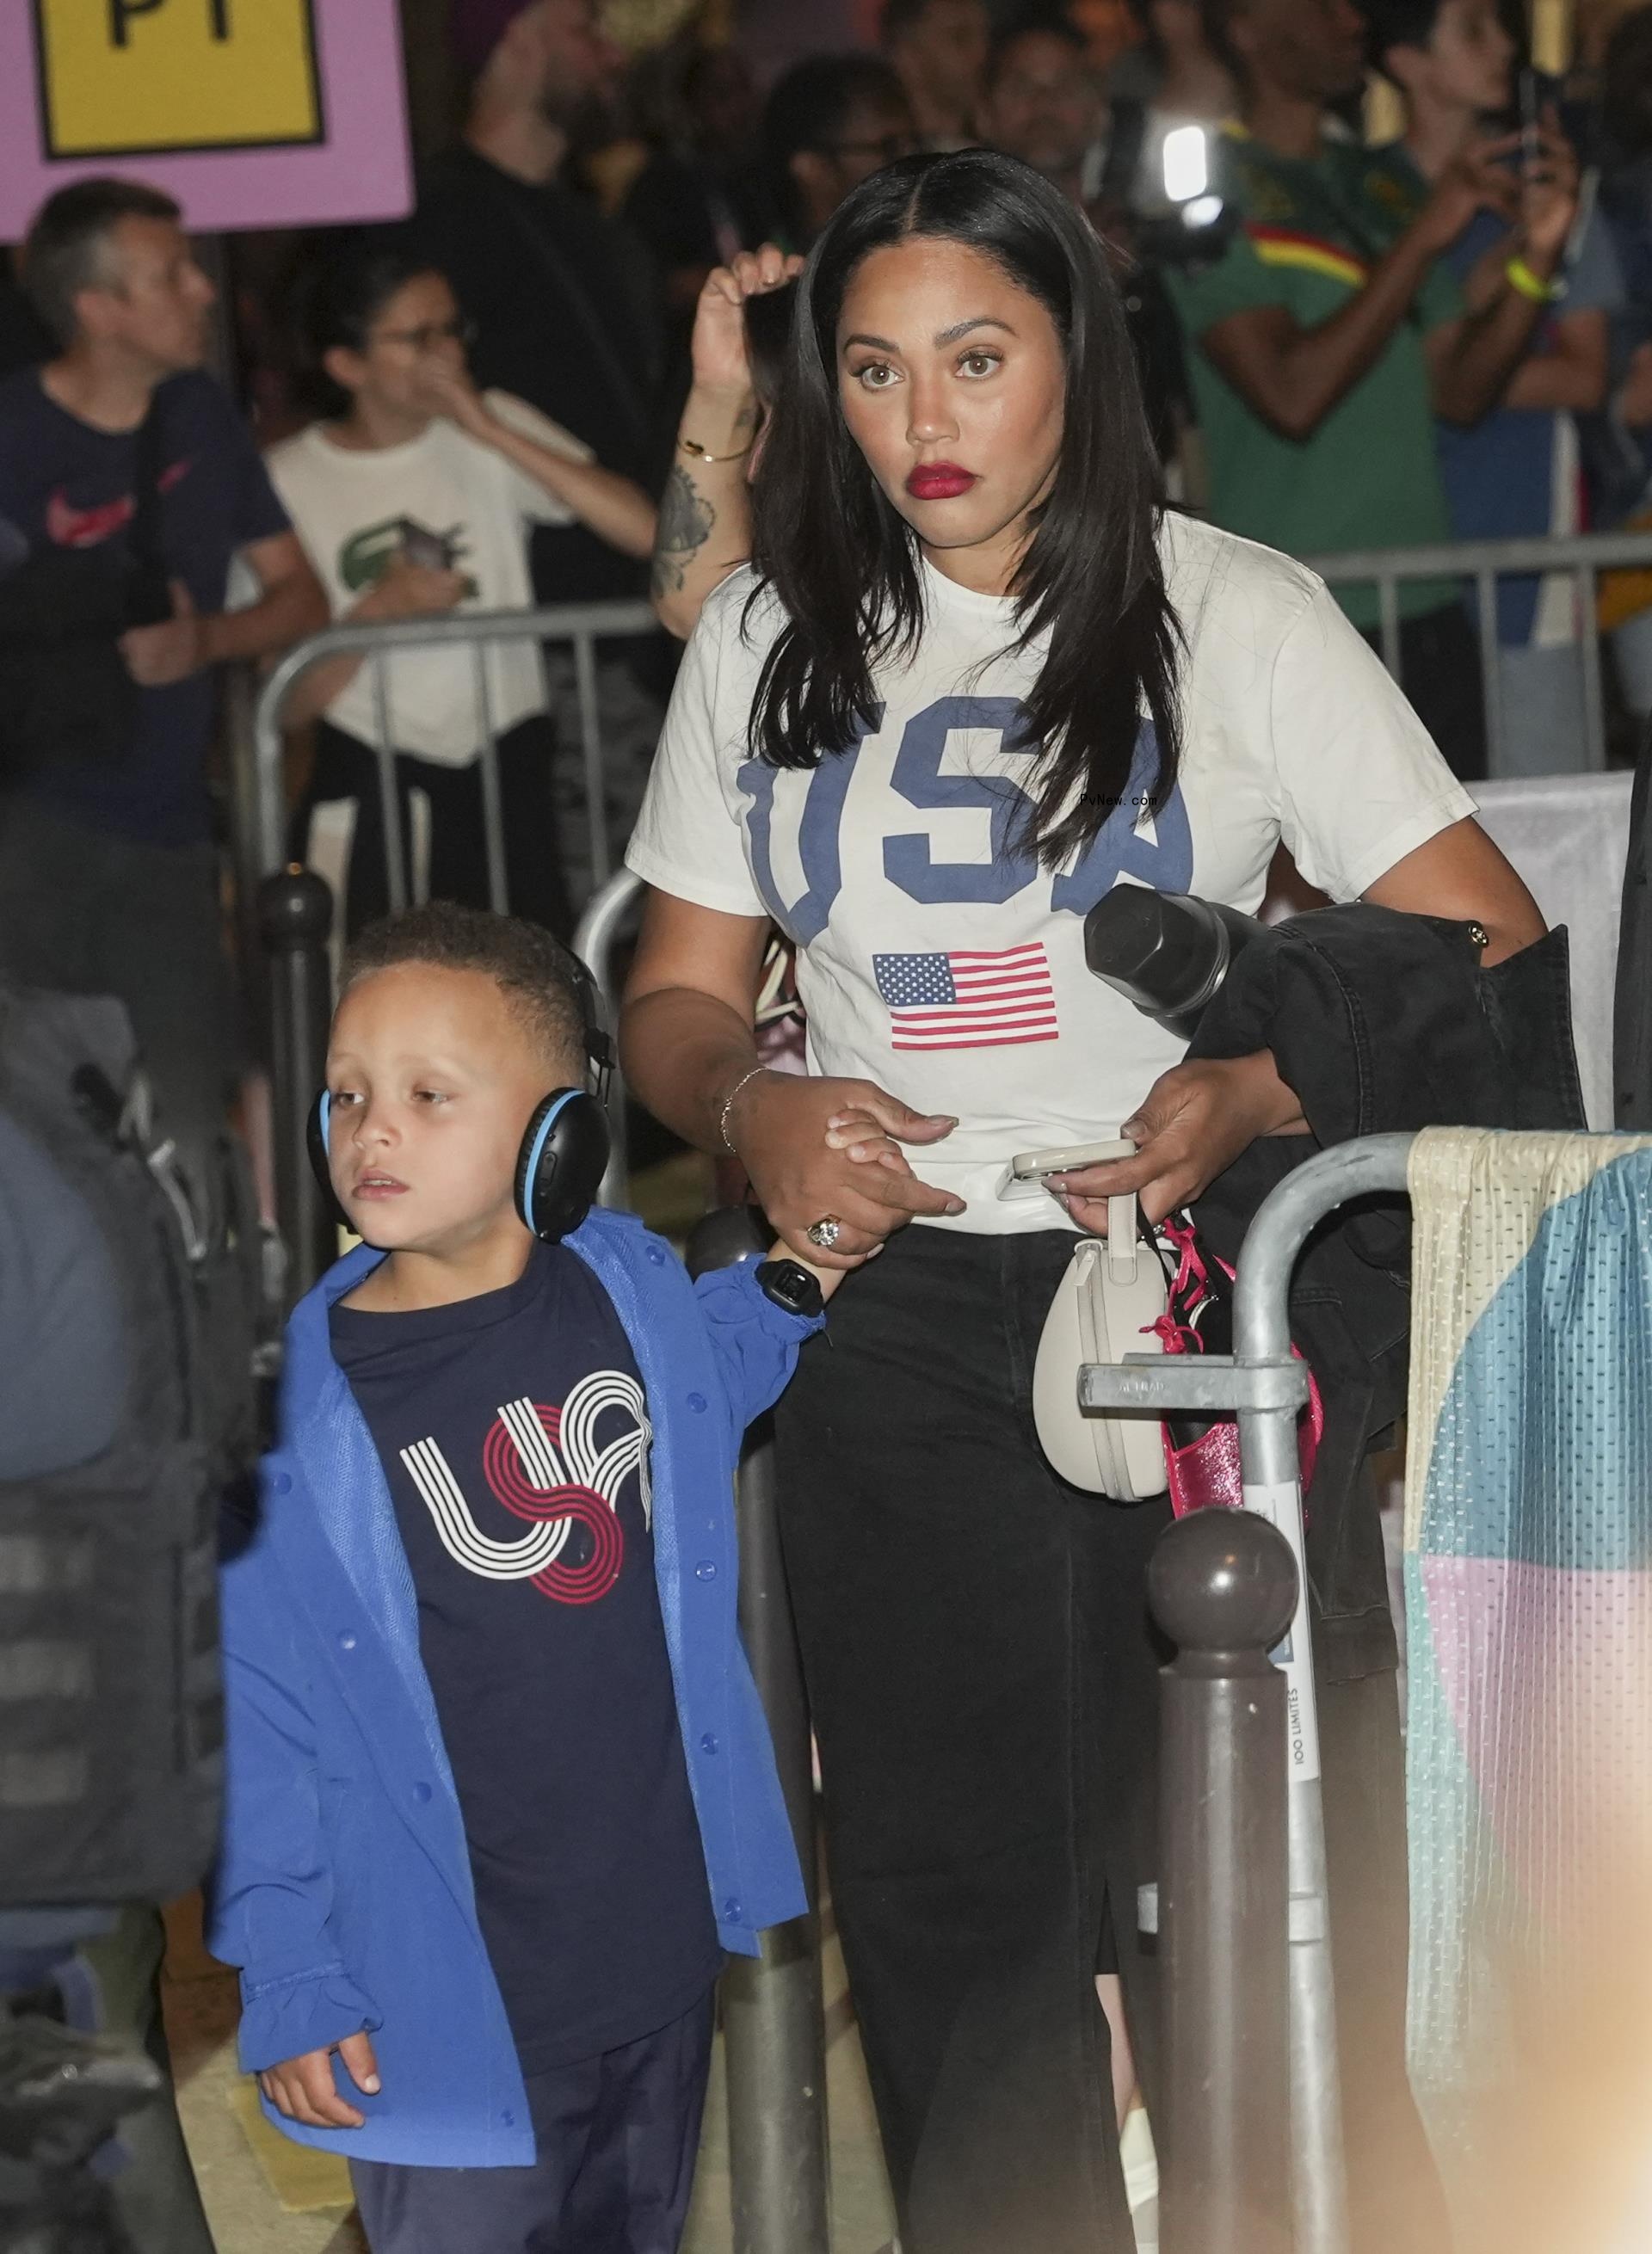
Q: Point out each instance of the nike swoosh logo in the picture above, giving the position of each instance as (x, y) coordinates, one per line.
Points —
(69, 527)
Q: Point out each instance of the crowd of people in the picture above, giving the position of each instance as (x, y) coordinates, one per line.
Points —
(876, 378)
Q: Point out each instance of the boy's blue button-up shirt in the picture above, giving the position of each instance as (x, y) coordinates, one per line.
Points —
(344, 1891)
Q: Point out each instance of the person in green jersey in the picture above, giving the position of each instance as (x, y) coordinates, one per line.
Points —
(1329, 334)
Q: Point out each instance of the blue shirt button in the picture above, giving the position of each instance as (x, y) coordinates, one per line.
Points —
(731, 1909)
(656, 1255)
(347, 1642)
(508, 2120)
(708, 1743)
(696, 1402)
(282, 1483)
(421, 1792)
(705, 1570)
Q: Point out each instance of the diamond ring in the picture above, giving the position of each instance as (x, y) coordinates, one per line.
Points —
(825, 1232)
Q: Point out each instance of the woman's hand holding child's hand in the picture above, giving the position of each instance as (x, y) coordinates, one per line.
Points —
(781, 1126)
(864, 1141)
(304, 2087)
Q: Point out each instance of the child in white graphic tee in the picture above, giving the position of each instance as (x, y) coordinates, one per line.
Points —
(414, 497)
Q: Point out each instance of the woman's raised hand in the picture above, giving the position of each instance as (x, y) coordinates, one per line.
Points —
(718, 349)
(786, 1127)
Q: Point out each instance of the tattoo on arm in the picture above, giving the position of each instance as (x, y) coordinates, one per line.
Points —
(686, 518)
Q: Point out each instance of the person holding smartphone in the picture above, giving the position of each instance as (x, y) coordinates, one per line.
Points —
(1331, 334)
(974, 678)
(416, 495)
(1515, 473)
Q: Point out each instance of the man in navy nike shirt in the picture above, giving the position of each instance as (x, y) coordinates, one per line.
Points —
(127, 481)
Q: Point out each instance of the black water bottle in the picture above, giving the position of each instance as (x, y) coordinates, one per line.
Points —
(1167, 952)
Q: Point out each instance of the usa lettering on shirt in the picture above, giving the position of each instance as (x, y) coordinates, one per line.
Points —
(936, 956)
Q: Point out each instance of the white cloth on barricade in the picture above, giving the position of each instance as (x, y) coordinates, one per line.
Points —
(1568, 836)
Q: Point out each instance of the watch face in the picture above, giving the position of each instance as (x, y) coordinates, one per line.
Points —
(790, 1287)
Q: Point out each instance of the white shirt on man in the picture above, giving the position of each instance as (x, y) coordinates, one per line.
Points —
(936, 958)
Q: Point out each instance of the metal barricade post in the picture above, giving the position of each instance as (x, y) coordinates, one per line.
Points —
(599, 927)
(1267, 1386)
(774, 2016)
(580, 625)
(1224, 1587)
(295, 915)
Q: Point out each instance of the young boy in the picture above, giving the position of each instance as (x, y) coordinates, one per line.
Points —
(500, 1790)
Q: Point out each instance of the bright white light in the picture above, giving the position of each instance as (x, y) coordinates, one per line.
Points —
(1203, 211)
(1186, 163)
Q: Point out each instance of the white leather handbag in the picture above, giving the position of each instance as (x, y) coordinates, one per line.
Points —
(1105, 1305)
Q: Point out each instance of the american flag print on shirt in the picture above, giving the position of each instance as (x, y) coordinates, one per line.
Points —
(965, 1000)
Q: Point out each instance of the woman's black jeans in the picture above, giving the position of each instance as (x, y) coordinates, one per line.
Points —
(983, 1682)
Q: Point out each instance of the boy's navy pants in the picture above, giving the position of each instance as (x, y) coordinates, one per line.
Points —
(618, 2135)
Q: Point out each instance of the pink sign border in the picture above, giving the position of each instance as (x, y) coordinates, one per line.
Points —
(366, 174)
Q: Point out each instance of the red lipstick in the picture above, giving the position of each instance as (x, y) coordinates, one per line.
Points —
(939, 481)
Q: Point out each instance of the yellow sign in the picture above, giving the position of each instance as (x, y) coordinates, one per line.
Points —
(121, 78)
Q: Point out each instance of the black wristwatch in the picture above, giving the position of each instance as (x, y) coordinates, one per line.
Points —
(791, 1286)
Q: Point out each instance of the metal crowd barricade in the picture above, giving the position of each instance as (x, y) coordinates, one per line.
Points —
(1264, 1382)
(1582, 556)
(608, 913)
(581, 625)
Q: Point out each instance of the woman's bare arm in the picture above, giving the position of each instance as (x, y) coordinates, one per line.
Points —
(686, 1033)
(1461, 875)
(705, 519)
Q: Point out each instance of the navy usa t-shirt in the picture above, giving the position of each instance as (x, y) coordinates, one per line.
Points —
(514, 1434)
(66, 484)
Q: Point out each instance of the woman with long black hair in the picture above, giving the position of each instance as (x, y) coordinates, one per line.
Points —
(972, 680)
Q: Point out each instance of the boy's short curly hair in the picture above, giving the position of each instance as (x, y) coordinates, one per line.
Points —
(539, 978)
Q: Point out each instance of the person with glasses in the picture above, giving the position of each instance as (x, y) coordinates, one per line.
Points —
(414, 495)
(828, 124)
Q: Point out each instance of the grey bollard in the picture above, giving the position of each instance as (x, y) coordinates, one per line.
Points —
(773, 2021)
(294, 922)
(1222, 1586)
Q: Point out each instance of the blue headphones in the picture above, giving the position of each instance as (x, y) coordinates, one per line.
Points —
(566, 1146)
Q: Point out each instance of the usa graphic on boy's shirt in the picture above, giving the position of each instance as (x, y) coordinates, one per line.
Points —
(548, 1465)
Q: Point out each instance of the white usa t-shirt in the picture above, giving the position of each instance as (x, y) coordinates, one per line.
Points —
(934, 957)
(348, 506)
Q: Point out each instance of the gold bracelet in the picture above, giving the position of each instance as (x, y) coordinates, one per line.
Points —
(1521, 276)
(728, 1106)
(704, 454)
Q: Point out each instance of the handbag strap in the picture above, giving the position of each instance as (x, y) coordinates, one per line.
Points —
(1124, 1241)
